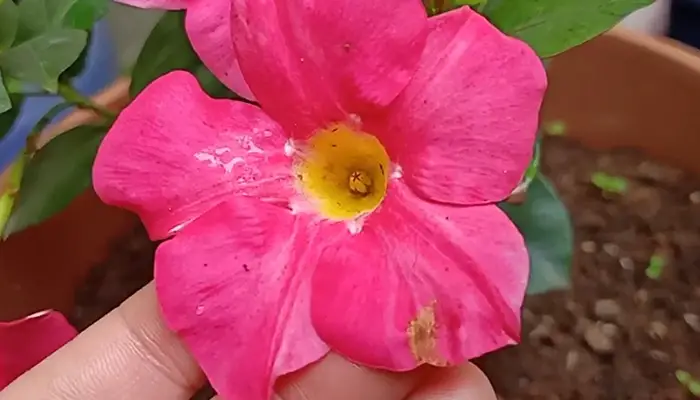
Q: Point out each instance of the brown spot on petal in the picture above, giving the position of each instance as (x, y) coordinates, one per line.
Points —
(422, 338)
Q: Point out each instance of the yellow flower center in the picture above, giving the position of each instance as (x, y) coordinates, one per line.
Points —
(344, 172)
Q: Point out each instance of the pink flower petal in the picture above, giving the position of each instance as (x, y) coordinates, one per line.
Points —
(234, 284)
(26, 342)
(208, 24)
(175, 153)
(459, 273)
(163, 4)
(464, 128)
(313, 62)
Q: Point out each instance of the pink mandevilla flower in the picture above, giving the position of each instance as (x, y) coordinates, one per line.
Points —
(26, 342)
(354, 209)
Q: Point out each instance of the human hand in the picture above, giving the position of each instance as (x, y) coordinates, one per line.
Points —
(131, 354)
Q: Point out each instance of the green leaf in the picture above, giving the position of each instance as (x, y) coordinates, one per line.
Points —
(694, 388)
(7, 119)
(553, 26)
(554, 128)
(657, 262)
(5, 102)
(213, 86)
(79, 65)
(609, 183)
(38, 16)
(683, 376)
(532, 169)
(544, 223)
(166, 49)
(84, 13)
(42, 59)
(33, 19)
(9, 18)
(60, 171)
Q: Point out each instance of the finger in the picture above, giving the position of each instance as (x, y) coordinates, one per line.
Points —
(127, 354)
(338, 379)
(464, 383)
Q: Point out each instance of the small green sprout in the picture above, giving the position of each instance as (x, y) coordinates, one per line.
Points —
(554, 128)
(687, 380)
(683, 377)
(694, 388)
(609, 183)
(656, 265)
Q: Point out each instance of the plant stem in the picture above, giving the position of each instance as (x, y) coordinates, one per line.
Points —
(72, 96)
(7, 199)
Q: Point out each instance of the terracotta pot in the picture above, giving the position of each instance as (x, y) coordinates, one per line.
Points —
(621, 90)
(41, 267)
(626, 89)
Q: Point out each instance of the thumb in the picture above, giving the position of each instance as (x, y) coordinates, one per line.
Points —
(463, 383)
(336, 378)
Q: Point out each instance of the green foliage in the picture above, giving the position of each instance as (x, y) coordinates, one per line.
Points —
(554, 128)
(40, 39)
(656, 266)
(7, 118)
(553, 26)
(544, 223)
(609, 183)
(690, 383)
(5, 101)
(43, 58)
(58, 172)
(167, 49)
(9, 18)
(532, 169)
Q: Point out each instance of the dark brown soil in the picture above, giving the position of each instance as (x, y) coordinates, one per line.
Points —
(632, 345)
(617, 334)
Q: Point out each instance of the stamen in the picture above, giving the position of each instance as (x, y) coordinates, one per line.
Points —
(360, 183)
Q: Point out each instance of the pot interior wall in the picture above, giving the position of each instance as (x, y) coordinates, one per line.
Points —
(625, 89)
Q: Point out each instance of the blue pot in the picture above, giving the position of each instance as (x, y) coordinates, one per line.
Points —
(100, 70)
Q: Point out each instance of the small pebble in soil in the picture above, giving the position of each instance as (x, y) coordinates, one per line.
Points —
(641, 296)
(659, 355)
(598, 340)
(657, 330)
(607, 309)
(544, 329)
(610, 330)
(528, 316)
(627, 264)
(589, 247)
(693, 321)
(611, 249)
(695, 197)
(581, 325)
(572, 358)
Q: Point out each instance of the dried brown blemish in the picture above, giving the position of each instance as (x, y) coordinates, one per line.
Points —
(422, 337)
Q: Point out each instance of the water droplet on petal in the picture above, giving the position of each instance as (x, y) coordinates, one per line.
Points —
(199, 310)
(396, 172)
(289, 149)
(355, 225)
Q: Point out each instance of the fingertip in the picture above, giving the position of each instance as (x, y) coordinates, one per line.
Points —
(335, 378)
(463, 383)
